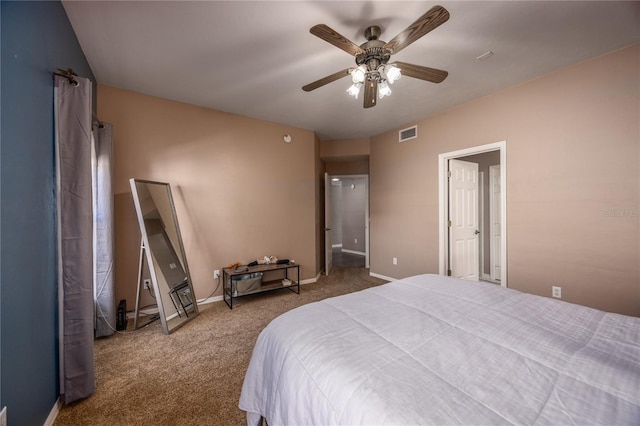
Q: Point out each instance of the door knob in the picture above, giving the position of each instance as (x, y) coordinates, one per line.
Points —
(477, 232)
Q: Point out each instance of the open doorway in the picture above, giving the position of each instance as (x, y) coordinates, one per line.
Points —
(349, 221)
(472, 186)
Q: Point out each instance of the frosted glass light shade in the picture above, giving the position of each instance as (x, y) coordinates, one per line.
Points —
(358, 74)
(392, 72)
(354, 90)
(383, 90)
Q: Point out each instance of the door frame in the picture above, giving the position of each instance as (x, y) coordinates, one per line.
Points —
(483, 276)
(492, 221)
(443, 160)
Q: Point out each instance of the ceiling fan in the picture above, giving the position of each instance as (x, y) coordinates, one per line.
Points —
(374, 73)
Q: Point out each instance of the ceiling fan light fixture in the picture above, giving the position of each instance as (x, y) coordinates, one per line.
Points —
(354, 90)
(383, 89)
(372, 57)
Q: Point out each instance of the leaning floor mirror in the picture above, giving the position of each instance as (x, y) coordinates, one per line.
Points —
(162, 250)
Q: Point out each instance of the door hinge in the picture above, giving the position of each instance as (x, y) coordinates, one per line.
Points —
(449, 223)
(449, 173)
(448, 272)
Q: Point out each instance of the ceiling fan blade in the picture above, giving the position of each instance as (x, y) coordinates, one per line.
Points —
(433, 75)
(326, 80)
(338, 40)
(435, 17)
(370, 93)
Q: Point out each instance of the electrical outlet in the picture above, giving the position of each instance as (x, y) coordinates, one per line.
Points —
(216, 273)
(3, 416)
(395, 260)
(356, 241)
(147, 284)
(556, 292)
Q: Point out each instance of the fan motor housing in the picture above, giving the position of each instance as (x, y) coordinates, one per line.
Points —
(373, 57)
(374, 52)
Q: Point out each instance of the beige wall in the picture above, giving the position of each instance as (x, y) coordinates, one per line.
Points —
(359, 166)
(344, 148)
(345, 157)
(573, 183)
(240, 191)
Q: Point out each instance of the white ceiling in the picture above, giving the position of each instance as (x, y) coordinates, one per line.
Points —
(252, 57)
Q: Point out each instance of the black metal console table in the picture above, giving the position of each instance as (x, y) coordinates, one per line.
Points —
(231, 277)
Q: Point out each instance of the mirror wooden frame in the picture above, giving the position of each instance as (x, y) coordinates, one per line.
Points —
(162, 249)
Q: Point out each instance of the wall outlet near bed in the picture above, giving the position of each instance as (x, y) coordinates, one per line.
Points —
(216, 274)
(395, 260)
(147, 284)
(556, 292)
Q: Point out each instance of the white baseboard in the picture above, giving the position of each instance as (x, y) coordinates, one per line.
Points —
(53, 415)
(382, 277)
(487, 277)
(312, 280)
(210, 300)
(360, 253)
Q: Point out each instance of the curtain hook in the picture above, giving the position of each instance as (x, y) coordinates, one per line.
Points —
(69, 75)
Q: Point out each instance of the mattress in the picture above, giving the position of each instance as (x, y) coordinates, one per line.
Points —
(437, 350)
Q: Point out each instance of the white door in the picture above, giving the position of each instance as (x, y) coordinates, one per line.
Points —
(463, 216)
(328, 254)
(495, 222)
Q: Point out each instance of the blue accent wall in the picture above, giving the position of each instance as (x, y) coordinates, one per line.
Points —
(36, 39)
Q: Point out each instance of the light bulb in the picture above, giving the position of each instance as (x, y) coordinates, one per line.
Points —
(383, 90)
(392, 72)
(354, 90)
(358, 74)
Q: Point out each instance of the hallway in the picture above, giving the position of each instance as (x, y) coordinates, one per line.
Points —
(347, 260)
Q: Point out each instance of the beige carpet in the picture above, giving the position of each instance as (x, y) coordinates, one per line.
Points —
(193, 376)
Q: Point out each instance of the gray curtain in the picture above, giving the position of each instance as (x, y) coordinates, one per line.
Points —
(75, 237)
(102, 167)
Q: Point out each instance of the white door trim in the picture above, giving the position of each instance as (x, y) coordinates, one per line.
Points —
(366, 223)
(494, 217)
(483, 275)
(328, 247)
(442, 200)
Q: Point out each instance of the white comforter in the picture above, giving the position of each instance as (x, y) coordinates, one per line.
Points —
(436, 350)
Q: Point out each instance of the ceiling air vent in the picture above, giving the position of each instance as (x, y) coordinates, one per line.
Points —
(409, 133)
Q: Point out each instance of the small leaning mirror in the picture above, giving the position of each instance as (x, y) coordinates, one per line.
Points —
(162, 250)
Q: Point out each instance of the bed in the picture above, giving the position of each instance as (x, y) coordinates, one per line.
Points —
(437, 350)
